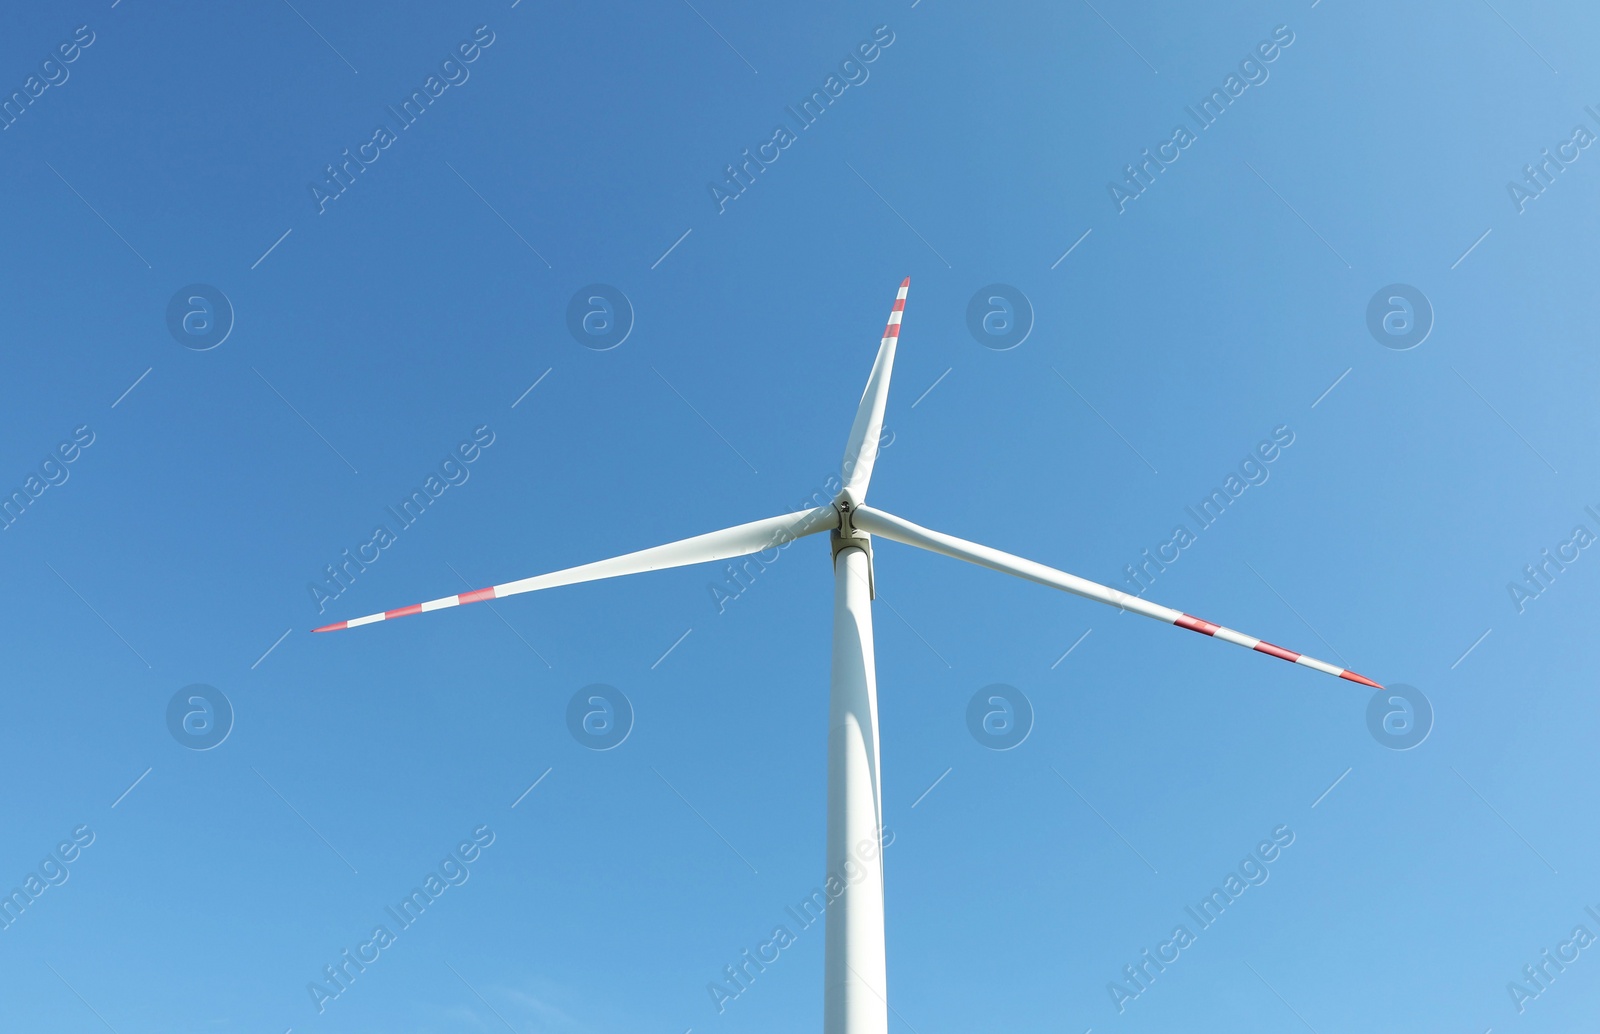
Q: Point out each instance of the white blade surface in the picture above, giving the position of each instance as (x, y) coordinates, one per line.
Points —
(754, 537)
(876, 522)
(861, 452)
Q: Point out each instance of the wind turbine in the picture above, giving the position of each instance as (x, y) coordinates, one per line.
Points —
(854, 991)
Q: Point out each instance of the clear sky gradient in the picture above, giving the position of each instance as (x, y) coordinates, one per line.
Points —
(173, 507)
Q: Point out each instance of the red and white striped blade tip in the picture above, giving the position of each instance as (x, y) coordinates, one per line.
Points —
(1204, 627)
(892, 329)
(416, 608)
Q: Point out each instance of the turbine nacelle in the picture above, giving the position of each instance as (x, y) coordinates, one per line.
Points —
(848, 536)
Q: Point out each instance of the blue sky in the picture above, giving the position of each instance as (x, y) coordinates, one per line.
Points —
(174, 542)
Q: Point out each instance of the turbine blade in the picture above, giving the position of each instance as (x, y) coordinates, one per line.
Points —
(876, 522)
(755, 537)
(861, 452)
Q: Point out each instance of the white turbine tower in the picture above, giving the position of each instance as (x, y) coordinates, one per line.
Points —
(855, 996)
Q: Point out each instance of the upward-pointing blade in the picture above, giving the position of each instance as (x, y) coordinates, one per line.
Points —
(876, 522)
(861, 452)
(755, 537)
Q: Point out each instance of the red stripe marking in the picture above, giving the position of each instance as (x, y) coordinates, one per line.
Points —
(1353, 677)
(415, 608)
(892, 330)
(335, 627)
(905, 283)
(475, 595)
(1195, 624)
(1277, 651)
(899, 305)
